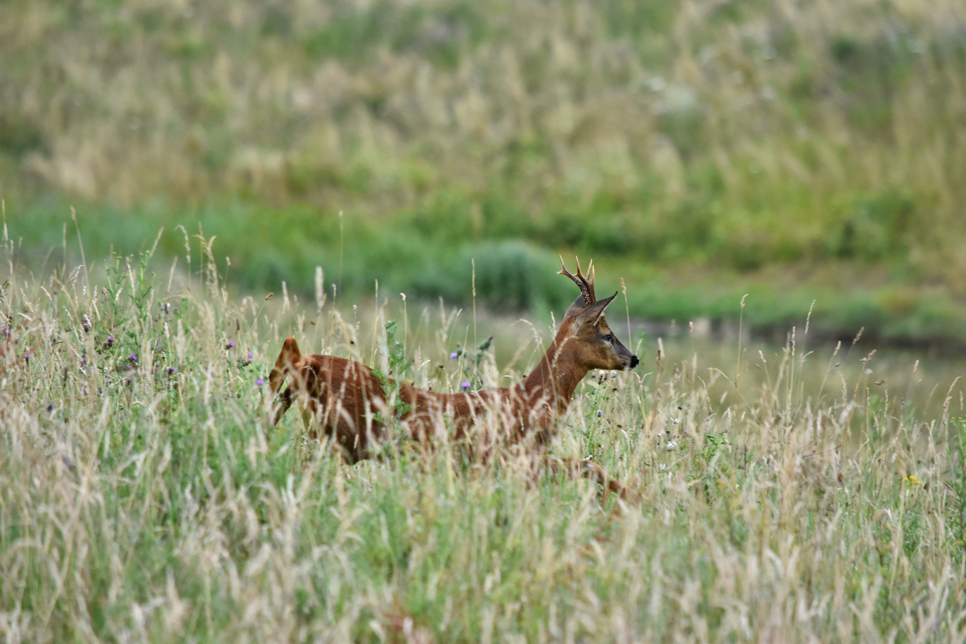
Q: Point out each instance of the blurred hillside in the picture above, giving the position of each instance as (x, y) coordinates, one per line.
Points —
(734, 137)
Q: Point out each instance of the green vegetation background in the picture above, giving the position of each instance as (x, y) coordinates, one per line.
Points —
(701, 150)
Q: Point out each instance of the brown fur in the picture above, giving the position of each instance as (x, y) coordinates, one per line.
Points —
(346, 398)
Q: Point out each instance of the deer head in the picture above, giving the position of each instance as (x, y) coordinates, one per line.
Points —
(597, 347)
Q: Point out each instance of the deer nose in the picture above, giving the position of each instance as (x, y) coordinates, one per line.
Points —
(634, 362)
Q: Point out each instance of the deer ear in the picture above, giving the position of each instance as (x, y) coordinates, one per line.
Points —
(592, 313)
(576, 308)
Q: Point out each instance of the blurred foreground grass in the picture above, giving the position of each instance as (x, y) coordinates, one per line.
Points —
(784, 497)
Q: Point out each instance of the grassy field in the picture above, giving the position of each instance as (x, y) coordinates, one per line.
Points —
(802, 151)
(261, 249)
(784, 496)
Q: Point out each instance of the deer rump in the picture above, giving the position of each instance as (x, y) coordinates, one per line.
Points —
(349, 402)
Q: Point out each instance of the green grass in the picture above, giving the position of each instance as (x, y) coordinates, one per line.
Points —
(143, 496)
(432, 254)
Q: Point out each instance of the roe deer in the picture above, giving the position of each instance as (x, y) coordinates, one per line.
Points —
(345, 397)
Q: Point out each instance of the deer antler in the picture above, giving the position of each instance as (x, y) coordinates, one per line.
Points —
(586, 287)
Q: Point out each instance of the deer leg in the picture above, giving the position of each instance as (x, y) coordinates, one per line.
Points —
(610, 485)
(596, 473)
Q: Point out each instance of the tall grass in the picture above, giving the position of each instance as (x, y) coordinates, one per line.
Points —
(143, 497)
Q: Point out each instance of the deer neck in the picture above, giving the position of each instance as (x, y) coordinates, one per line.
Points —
(558, 374)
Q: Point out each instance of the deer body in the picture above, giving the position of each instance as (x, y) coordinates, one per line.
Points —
(346, 398)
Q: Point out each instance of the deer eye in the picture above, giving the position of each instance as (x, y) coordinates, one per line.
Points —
(609, 337)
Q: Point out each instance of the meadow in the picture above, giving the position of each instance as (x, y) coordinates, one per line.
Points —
(799, 494)
(185, 184)
(702, 150)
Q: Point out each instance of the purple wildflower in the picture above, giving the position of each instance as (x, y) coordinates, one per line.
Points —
(170, 369)
(133, 358)
(110, 340)
(465, 385)
(453, 356)
(250, 356)
(259, 382)
(230, 345)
